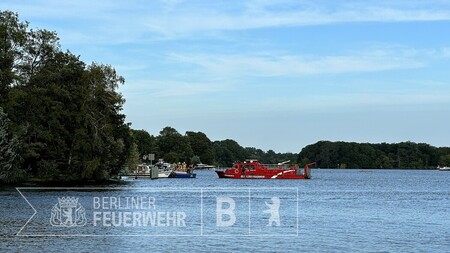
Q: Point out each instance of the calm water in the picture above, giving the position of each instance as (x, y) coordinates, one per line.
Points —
(338, 211)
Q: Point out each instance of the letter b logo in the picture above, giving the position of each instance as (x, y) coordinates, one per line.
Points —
(225, 207)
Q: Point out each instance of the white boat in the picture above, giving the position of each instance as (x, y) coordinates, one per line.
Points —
(202, 166)
(164, 169)
(164, 174)
(444, 168)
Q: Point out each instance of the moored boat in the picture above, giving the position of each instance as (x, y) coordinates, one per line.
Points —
(164, 174)
(179, 174)
(202, 166)
(164, 169)
(445, 168)
(253, 169)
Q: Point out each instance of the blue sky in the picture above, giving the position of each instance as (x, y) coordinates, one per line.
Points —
(278, 74)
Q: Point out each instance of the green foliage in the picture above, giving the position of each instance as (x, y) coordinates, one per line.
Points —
(270, 157)
(12, 40)
(68, 114)
(146, 143)
(201, 146)
(444, 160)
(133, 158)
(173, 146)
(229, 151)
(365, 155)
(9, 158)
(195, 160)
(196, 147)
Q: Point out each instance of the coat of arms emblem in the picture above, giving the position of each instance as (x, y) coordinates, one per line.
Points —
(68, 212)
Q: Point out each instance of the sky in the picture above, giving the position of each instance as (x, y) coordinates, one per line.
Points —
(270, 74)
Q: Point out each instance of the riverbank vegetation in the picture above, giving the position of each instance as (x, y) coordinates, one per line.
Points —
(404, 155)
(61, 120)
(196, 147)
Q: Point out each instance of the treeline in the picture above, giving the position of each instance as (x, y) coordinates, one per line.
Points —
(60, 118)
(402, 155)
(196, 147)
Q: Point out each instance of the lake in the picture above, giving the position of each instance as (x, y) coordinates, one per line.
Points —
(335, 211)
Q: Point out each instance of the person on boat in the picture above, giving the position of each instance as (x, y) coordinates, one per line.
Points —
(190, 169)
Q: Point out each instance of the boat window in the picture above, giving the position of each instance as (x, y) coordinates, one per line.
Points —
(252, 167)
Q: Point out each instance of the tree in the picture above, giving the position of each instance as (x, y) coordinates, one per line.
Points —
(68, 114)
(105, 141)
(444, 160)
(195, 160)
(201, 146)
(229, 151)
(12, 40)
(146, 143)
(408, 156)
(133, 158)
(9, 157)
(173, 146)
(366, 155)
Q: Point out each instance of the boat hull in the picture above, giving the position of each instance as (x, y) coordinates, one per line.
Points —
(164, 174)
(184, 175)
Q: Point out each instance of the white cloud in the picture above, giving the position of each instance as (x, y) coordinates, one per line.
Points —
(192, 19)
(297, 65)
(354, 101)
(120, 22)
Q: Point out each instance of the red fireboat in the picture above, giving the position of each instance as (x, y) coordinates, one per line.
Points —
(253, 169)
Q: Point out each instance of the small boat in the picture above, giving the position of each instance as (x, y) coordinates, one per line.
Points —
(179, 174)
(445, 168)
(164, 169)
(164, 174)
(142, 171)
(253, 169)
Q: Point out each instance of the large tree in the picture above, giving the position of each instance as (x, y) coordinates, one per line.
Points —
(229, 151)
(13, 34)
(173, 146)
(67, 113)
(201, 146)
